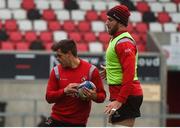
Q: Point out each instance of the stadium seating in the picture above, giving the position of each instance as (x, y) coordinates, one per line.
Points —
(25, 25)
(19, 14)
(5, 14)
(59, 35)
(56, 4)
(30, 36)
(7, 46)
(15, 36)
(82, 47)
(69, 26)
(103, 37)
(163, 17)
(75, 36)
(3, 4)
(77, 15)
(22, 46)
(49, 14)
(85, 24)
(28, 4)
(95, 47)
(170, 27)
(10, 25)
(91, 15)
(13, 4)
(97, 26)
(89, 37)
(85, 5)
(1, 25)
(142, 27)
(54, 25)
(46, 37)
(142, 6)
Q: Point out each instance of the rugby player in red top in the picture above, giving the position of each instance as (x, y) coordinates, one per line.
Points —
(68, 109)
(121, 70)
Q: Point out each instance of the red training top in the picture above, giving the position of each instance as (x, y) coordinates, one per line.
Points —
(72, 109)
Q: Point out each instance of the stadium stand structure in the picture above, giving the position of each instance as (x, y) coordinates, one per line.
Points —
(85, 24)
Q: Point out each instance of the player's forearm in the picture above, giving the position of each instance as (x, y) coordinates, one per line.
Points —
(100, 97)
(54, 96)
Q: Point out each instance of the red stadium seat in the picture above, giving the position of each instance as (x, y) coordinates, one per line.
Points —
(91, 15)
(141, 27)
(22, 46)
(54, 25)
(82, 47)
(28, 4)
(144, 37)
(46, 36)
(176, 1)
(104, 37)
(84, 26)
(105, 46)
(69, 26)
(48, 46)
(163, 17)
(89, 37)
(16, 36)
(30, 36)
(178, 28)
(103, 15)
(136, 37)
(141, 47)
(1, 25)
(7, 46)
(10, 25)
(75, 36)
(130, 27)
(142, 6)
(49, 14)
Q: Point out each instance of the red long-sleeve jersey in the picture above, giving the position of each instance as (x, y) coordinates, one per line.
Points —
(67, 108)
(126, 52)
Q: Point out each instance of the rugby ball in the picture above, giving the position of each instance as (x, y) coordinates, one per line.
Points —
(85, 84)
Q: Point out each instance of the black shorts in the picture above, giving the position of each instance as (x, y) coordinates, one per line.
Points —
(131, 109)
(50, 122)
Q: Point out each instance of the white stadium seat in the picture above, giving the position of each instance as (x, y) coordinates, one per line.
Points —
(25, 25)
(170, 27)
(112, 4)
(5, 14)
(19, 14)
(156, 7)
(40, 25)
(59, 35)
(97, 26)
(100, 5)
(3, 4)
(56, 4)
(165, 1)
(77, 15)
(42, 4)
(155, 27)
(14, 4)
(62, 14)
(175, 17)
(95, 47)
(170, 7)
(85, 5)
(135, 16)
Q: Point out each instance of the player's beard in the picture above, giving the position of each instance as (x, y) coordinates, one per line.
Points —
(112, 29)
